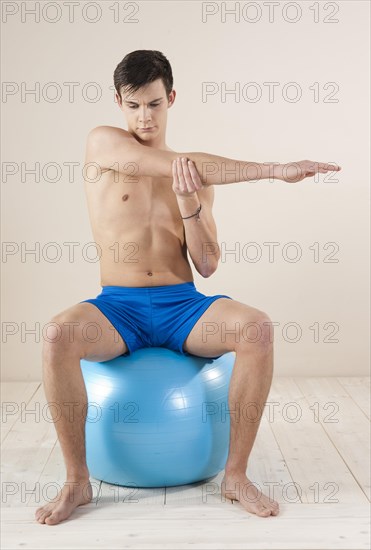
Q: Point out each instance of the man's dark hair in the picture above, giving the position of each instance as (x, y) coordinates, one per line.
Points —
(141, 67)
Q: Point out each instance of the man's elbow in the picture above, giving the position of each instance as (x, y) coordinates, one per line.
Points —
(209, 270)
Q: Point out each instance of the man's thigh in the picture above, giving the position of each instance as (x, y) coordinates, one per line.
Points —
(84, 328)
(225, 326)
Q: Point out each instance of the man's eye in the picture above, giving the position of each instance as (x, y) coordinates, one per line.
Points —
(151, 105)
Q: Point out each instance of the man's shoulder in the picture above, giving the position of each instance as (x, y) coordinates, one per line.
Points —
(107, 134)
(105, 144)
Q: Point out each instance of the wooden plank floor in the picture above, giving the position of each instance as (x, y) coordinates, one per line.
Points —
(312, 452)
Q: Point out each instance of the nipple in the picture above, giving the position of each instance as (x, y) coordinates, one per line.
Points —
(125, 197)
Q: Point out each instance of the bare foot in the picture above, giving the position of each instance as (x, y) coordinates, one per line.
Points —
(239, 487)
(73, 494)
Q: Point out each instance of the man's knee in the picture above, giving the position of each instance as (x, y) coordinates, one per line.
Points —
(267, 328)
(64, 332)
(257, 332)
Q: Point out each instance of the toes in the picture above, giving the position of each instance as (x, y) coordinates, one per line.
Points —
(52, 519)
(272, 506)
(263, 512)
(43, 516)
(275, 508)
(40, 511)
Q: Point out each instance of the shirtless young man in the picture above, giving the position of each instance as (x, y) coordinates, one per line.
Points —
(136, 208)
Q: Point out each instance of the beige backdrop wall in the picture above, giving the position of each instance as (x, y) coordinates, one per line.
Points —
(303, 73)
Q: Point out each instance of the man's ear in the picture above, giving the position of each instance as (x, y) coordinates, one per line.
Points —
(172, 96)
(118, 99)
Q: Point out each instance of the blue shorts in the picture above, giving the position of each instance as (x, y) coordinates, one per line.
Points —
(155, 316)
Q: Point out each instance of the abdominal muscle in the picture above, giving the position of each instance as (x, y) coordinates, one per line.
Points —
(138, 231)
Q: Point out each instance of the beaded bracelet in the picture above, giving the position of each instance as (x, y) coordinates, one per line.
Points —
(197, 213)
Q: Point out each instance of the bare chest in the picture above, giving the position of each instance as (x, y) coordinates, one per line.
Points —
(119, 201)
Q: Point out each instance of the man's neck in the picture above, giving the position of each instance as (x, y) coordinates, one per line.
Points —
(158, 143)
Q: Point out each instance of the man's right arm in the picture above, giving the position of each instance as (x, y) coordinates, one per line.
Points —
(116, 149)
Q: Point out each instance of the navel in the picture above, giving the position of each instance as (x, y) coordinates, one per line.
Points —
(125, 197)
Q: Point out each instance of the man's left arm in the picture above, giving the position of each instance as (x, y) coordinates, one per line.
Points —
(200, 229)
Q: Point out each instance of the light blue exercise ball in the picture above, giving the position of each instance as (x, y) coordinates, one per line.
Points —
(157, 418)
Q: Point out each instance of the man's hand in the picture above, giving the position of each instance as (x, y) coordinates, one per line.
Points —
(293, 172)
(186, 180)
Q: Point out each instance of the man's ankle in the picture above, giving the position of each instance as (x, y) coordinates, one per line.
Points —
(235, 471)
(80, 476)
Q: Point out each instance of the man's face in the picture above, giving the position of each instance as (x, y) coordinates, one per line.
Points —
(146, 109)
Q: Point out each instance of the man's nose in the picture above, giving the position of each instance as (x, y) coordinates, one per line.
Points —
(144, 114)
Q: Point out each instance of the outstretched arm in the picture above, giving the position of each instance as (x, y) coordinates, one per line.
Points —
(116, 149)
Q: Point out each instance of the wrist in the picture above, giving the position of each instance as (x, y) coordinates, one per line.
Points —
(270, 171)
(190, 198)
(188, 205)
(189, 208)
(196, 214)
(277, 171)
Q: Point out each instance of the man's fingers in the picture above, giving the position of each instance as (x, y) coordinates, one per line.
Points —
(187, 176)
(195, 175)
(182, 183)
(328, 167)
